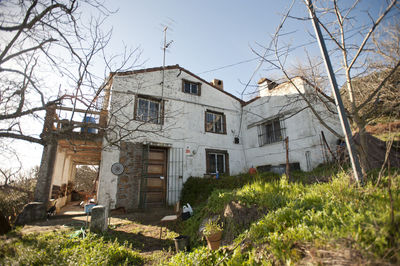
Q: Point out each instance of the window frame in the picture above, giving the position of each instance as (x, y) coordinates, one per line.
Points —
(160, 111)
(217, 152)
(223, 122)
(184, 81)
(263, 132)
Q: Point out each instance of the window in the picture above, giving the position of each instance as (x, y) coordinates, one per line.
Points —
(269, 132)
(217, 160)
(148, 110)
(215, 122)
(191, 87)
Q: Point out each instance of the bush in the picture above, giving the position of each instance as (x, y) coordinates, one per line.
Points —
(13, 199)
(16, 191)
(197, 190)
(63, 249)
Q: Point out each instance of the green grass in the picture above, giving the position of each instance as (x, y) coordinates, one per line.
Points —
(61, 248)
(389, 136)
(297, 214)
(197, 190)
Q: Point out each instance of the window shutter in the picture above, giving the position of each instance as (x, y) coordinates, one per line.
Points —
(199, 89)
(227, 163)
(207, 163)
(135, 108)
(283, 129)
(224, 123)
(162, 107)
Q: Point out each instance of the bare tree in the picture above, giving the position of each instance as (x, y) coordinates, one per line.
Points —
(49, 53)
(350, 42)
(85, 177)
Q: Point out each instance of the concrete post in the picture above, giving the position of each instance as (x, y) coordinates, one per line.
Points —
(42, 190)
(98, 222)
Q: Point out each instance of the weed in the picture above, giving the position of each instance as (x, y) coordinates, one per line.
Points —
(61, 249)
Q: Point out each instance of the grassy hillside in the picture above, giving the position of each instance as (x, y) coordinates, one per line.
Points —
(331, 222)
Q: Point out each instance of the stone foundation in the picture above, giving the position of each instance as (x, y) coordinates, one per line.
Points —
(32, 211)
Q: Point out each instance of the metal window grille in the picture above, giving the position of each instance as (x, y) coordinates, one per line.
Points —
(271, 132)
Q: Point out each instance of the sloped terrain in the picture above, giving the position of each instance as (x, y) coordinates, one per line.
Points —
(330, 223)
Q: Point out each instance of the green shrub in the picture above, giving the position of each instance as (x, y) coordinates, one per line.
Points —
(200, 256)
(62, 249)
(212, 227)
(197, 190)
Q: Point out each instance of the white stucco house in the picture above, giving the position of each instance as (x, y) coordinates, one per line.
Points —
(167, 125)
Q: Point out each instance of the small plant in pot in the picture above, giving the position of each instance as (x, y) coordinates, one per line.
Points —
(213, 233)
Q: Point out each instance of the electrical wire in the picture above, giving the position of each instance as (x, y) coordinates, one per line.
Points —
(231, 65)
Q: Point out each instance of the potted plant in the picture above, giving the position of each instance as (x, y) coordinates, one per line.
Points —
(213, 233)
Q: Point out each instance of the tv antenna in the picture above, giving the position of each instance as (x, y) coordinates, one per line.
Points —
(165, 47)
(166, 44)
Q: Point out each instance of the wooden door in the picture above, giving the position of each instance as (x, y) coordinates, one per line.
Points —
(156, 178)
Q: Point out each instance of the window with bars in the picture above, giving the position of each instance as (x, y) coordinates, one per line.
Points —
(217, 161)
(215, 122)
(270, 132)
(191, 87)
(148, 110)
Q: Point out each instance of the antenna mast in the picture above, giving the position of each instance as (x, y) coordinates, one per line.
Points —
(165, 46)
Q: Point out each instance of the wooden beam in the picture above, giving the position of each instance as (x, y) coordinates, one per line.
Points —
(87, 111)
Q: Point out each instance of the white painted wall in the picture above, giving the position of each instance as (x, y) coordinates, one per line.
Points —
(183, 124)
(302, 127)
(64, 170)
(107, 189)
(184, 128)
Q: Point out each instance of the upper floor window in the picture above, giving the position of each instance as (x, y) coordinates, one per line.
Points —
(270, 132)
(148, 110)
(191, 87)
(215, 122)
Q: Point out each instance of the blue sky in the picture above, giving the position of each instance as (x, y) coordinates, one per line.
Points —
(211, 34)
(208, 35)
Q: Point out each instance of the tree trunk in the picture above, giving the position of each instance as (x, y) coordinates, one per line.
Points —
(362, 146)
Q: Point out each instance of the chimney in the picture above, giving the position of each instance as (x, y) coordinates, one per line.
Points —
(218, 83)
(270, 83)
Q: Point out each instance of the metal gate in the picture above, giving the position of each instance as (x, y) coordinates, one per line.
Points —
(175, 175)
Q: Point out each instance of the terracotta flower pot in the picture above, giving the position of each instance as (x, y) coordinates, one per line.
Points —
(214, 240)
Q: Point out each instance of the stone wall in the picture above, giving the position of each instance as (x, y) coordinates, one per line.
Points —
(128, 187)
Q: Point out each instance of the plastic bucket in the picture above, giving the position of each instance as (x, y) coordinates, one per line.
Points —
(181, 243)
(88, 119)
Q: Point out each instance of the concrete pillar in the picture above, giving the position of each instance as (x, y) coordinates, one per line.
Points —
(98, 222)
(42, 190)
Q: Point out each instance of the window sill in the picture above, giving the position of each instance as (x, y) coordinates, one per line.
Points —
(272, 143)
(223, 133)
(146, 122)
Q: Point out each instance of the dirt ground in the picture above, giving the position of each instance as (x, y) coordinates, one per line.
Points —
(140, 229)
